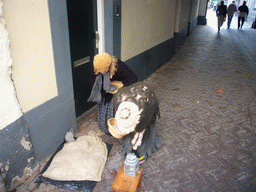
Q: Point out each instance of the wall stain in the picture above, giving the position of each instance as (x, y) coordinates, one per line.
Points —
(16, 181)
(26, 144)
(7, 166)
(30, 159)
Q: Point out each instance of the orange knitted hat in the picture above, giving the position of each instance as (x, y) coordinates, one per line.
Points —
(101, 61)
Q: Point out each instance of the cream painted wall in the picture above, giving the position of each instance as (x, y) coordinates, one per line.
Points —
(184, 13)
(202, 7)
(31, 46)
(177, 16)
(194, 9)
(9, 107)
(145, 24)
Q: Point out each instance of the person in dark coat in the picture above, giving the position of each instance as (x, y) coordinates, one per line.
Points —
(221, 13)
(110, 74)
(254, 23)
(232, 8)
(243, 13)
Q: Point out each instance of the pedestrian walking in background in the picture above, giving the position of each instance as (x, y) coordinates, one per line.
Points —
(243, 13)
(232, 8)
(254, 23)
(221, 13)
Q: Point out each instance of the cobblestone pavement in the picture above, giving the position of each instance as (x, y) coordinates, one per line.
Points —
(208, 136)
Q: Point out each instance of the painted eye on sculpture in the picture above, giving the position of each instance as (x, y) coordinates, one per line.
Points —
(125, 113)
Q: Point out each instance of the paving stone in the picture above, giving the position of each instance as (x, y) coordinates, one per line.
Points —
(208, 137)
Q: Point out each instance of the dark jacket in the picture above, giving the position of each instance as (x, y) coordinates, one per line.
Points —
(124, 74)
(221, 10)
(244, 8)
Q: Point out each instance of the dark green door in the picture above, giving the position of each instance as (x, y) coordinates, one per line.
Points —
(82, 27)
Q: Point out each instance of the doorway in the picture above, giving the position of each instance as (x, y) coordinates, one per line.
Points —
(82, 22)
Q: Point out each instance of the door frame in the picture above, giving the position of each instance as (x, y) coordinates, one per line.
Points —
(100, 36)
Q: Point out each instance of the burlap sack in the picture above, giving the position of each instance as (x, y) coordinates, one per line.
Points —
(83, 159)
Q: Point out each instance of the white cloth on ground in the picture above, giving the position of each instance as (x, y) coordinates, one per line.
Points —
(83, 159)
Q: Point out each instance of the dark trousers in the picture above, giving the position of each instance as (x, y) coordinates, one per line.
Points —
(239, 20)
(229, 20)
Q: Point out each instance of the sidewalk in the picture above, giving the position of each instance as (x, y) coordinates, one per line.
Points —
(208, 137)
(244, 39)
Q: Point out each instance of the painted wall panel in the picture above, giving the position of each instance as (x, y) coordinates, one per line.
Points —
(31, 45)
(145, 24)
(56, 114)
(194, 9)
(17, 158)
(202, 7)
(48, 130)
(184, 13)
(10, 108)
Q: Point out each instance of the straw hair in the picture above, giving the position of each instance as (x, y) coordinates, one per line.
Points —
(105, 60)
(101, 61)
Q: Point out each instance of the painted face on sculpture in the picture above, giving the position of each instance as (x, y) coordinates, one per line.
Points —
(127, 117)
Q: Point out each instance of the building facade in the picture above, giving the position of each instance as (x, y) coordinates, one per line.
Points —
(47, 48)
